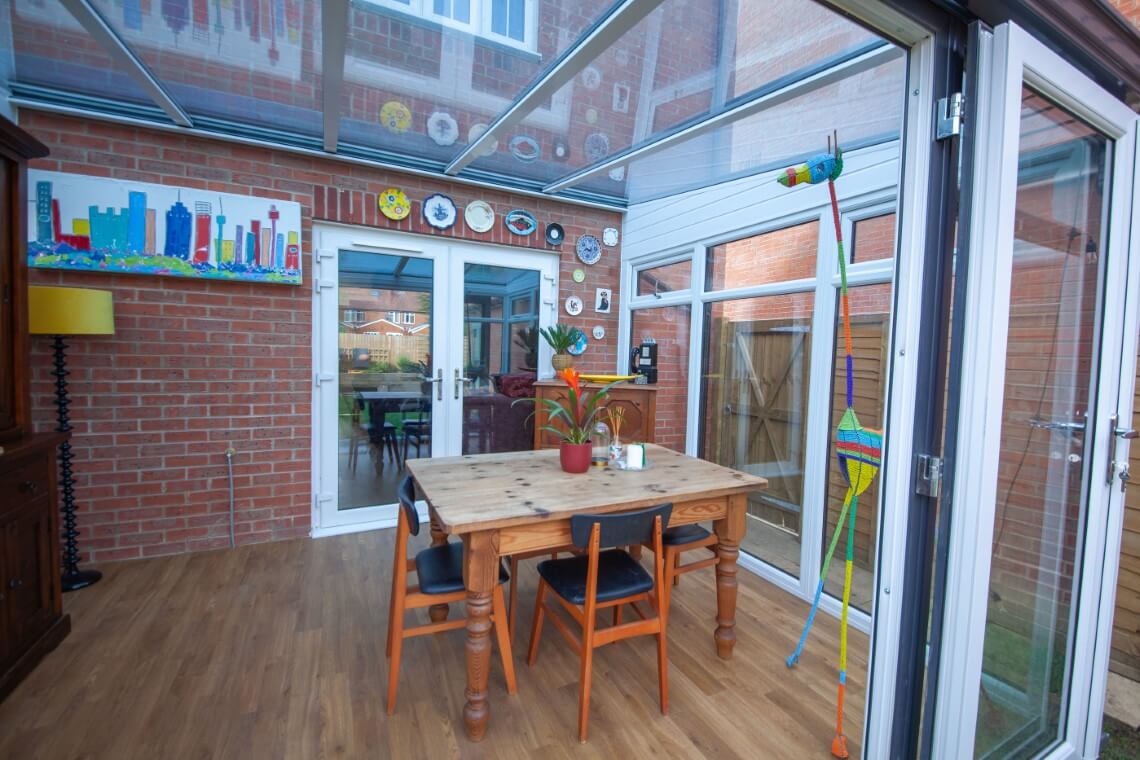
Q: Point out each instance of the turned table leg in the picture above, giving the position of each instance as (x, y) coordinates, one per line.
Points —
(480, 574)
(729, 531)
(437, 612)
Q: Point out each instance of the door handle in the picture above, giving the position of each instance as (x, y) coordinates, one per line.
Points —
(438, 382)
(1127, 434)
(460, 381)
(1060, 425)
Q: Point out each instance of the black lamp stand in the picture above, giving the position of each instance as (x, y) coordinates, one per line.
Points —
(73, 578)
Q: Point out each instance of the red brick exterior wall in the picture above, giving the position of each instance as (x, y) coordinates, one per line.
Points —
(196, 366)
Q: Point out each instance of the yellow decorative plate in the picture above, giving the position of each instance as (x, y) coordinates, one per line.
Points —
(606, 378)
(395, 116)
(394, 204)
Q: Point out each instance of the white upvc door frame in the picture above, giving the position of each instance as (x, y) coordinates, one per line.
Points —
(449, 258)
(1009, 58)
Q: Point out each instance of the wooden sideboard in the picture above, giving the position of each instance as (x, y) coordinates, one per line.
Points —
(32, 622)
(639, 402)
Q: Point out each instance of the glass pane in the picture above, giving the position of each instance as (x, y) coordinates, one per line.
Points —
(873, 238)
(777, 256)
(755, 400)
(1050, 363)
(669, 328)
(385, 371)
(500, 354)
(685, 60)
(870, 336)
(257, 61)
(665, 279)
(51, 49)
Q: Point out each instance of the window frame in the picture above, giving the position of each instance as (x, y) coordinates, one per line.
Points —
(480, 24)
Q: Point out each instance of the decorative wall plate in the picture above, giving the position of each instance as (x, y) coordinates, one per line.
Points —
(597, 146)
(579, 346)
(573, 306)
(579, 275)
(610, 236)
(617, 174)
(589, 250)
(599, 332)
(520, 222)
(394, 204)
(591, 78)
(442, 128)
(395, 116)
(479, 216)
(591, 116)
(555, 235)
(561, 149)
(439, 211)
(524, 148)
(476, 132)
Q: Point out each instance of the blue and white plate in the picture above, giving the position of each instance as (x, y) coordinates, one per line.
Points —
(439, 211)
(579, 346)
(520, 222)
(524, 148)
(589, 249)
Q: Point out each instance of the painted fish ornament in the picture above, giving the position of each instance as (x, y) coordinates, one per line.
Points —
(858, 449)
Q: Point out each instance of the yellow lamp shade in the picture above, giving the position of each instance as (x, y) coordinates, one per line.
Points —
(70, 311)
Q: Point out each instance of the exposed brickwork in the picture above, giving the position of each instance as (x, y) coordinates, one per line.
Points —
(197, 366)
(1130, 9)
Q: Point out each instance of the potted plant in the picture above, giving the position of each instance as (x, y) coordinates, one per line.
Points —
(577, 415)
(561, 337)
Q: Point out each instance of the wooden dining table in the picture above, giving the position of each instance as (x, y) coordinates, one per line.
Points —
(522, 501)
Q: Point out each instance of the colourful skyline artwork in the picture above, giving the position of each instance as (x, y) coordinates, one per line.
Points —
(85, 223)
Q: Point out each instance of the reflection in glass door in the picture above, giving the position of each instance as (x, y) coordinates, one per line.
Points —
(500, 357)
(385, 372)
(1050, 365)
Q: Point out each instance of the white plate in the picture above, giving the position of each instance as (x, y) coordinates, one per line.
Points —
(439, 211)
(599, 332)
(479, 216)
(610, 236)
(476, 132)
(573, 306)
(441, 128)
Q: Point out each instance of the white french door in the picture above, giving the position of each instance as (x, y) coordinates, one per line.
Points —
(411, 335)
(1048, 369)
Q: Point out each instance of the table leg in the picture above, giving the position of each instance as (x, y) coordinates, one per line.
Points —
(480, 574)
(729, 531)
(437, 612)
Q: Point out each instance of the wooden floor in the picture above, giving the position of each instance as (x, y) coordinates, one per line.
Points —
(277, 651)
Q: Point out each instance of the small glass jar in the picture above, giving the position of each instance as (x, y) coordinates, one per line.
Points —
(600, 445)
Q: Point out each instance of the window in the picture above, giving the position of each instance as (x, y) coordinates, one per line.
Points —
(353, 316)
(665, 278)
(409, 317)
(508, 22)
(392, 317)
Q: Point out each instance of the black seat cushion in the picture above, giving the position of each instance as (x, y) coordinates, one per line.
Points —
(440, 569)
(619, 575)
(684, 534)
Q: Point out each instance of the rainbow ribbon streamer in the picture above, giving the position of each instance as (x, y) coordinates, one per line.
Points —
(858, 449)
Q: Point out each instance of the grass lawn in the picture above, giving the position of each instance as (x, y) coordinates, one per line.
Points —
(1123, 741)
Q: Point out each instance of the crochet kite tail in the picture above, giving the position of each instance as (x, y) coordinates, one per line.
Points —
(839, 743)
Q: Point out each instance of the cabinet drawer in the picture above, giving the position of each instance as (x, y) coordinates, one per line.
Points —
(24, 482)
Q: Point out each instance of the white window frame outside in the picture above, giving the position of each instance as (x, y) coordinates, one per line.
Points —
(479, 25)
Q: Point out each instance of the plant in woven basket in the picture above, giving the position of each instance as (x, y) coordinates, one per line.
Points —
(561, 338)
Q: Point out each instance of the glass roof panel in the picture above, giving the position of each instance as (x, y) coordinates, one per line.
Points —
(686, 60)
(51, 49)
(864, 109)
(463, 61)
(256, 62)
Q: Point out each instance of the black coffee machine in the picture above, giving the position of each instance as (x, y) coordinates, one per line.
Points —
(643, 361)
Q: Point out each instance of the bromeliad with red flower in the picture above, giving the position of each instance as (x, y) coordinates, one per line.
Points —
(579, 411)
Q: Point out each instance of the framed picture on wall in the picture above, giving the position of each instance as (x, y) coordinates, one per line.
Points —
(602, 300)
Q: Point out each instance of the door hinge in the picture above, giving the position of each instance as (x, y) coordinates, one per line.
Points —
(949, 117)
(326, 253)
(323, 377)
(928, 475)
(319, 285)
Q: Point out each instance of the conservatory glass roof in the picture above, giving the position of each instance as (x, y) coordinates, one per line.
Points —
(596, 100)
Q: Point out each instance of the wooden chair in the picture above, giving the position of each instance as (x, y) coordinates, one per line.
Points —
(380, 436)
(417, 429)
(596, 580)
(440, 574)
(677, 541)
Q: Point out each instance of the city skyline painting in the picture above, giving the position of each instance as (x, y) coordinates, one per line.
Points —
(96, 224)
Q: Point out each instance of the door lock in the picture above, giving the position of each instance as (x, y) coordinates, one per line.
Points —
(460, 381)
(438, 381)
(1125, 476)
(1124, 434)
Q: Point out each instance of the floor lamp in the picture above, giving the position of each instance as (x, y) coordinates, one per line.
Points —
(59, 312)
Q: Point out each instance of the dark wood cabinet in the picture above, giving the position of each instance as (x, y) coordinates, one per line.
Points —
(32, 622)
(639, 402)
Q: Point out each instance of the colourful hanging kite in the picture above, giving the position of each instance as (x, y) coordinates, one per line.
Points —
(858, 449)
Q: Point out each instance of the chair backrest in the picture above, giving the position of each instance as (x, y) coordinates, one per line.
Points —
(407, 495)
(619, 529)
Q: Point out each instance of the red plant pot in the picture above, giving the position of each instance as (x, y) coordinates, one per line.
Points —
(575, 457)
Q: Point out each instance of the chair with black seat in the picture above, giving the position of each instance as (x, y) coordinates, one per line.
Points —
(597, 580)
(677, 541)
(440, 574)
(417, 429)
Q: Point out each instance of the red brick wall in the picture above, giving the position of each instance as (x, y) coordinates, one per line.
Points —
(196, 366)
(1130, 9)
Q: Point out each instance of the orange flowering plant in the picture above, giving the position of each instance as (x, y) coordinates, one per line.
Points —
(578, 412)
